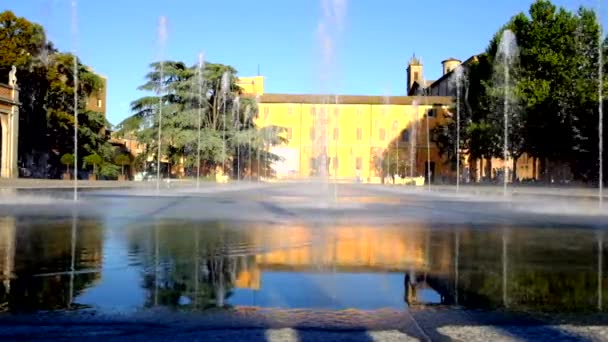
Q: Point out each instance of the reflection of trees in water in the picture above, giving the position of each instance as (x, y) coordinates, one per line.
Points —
(195, 265)
(46, 248)
(544, 269)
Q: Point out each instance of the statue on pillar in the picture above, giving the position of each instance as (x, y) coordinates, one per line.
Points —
(12, 77)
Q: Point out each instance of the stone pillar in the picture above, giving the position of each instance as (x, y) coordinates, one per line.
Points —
(7, 250)
(9, 119)
(14, 135)
(4, 173)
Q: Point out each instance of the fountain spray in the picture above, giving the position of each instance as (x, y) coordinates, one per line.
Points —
(75, 70)
(237, 124)
(600, 107)
(413, 139)
(459, 73)
(162, 35)
(507, 52)
(225, 86)
(200, 119)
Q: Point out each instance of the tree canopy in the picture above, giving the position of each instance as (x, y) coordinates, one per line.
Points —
(46, 81)
(185, 94)
(554, 99)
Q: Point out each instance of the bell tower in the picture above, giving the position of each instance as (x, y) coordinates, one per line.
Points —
(414, 72)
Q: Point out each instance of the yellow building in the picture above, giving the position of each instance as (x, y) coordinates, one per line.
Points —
(345, 137)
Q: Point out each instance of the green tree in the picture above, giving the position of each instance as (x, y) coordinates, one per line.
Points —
(67, 160)
(92, 160)
(46, 80)
(228, 132)
(555, 117)
(122, 160)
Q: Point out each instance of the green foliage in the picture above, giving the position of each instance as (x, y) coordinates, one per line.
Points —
(47, 77)
(554, 98)
(67, 159)
(227, 130)
(92, 160)
(122, 159)
(108, 170)
(20, 42)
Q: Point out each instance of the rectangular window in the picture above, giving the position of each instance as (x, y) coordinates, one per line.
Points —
(358, 163)
(431, 113)
(313, 163)
(289, 110)
(382, 134)
(335, 163)
(336, 111)
(313, 111)
(289, 132)
(98, 103)
(415, 75)
(312, 133)
(405, 136)
(359, 133)
(336, 133)
(266, 111)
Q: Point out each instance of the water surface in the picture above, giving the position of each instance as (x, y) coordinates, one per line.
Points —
(109, 264)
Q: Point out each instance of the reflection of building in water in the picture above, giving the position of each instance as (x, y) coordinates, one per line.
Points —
(341, 249)
(35, 264)
(7, 252)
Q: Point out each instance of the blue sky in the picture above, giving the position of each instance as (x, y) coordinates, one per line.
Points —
(368, 56)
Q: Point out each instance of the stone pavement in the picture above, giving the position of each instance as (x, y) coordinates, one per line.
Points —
(417, 324)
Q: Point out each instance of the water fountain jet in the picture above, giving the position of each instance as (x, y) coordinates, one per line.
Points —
(600, 107)
(201, 63)
(75, 70)
(224, 88)
(162, 38)
(506, 56)
(459, 75)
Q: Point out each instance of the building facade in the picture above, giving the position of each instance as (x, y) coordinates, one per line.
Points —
(354, 134)
(483, 169)
(354, 138)
(9, 123)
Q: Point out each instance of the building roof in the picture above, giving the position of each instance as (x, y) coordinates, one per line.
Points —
(446, 75)
(348, 99)
(415, 60)
(450, 59)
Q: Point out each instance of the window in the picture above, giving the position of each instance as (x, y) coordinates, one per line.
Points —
(312, 133)
(359, 112)
(359, 133)
(313, 111)
(289, 110)
(336, 111)
(405, 136)
(336, 133)
(431, 113)
(289, 132)
(395, 125)
(335, 162)
(98, 103)
(358, 163)
(382, 134)
(416, 75)
(313, 163)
